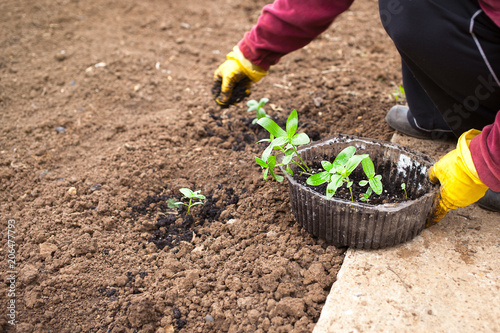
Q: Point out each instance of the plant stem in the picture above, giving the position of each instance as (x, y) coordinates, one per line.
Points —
(350, 190)
(301, 160)
(308, 171)
(189, 206)
(300, 166)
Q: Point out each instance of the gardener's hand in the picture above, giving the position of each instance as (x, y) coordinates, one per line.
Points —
(233, 79)
(460, 184)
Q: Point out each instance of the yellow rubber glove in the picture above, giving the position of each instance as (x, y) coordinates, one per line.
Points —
(460, 184)
(234, 78)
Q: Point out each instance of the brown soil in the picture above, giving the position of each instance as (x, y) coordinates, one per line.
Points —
(106, 112)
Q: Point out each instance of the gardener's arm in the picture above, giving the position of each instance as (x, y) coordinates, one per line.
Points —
(485, 151)
(284, 26)
(468, 171)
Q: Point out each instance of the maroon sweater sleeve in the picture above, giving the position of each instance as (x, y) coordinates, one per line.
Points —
(492, 9)
(287, 25)
(485, 151)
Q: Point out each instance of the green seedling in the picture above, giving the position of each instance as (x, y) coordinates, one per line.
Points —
(338, 172)
(349, 186)
(374, 181)
(398, 93)
(269, 168)
(403, 187)
(253, 105)
(367, 194)
(282, 142)
(188, 194)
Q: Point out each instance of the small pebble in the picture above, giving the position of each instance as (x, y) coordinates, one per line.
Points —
(95, 187)
(180, 323)
(209, 318)
(318, 101)
(60, 129)
(110, 292)
(61, 56)
(72, 191)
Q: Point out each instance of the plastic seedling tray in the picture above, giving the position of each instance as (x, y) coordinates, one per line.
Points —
(362, 225)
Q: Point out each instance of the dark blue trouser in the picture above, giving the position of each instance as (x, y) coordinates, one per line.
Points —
(450, 53)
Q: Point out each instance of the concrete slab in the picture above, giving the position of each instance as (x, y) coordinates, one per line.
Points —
(445, 280)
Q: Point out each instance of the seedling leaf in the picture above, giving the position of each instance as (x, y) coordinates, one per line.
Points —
(261, 114)
(265, 173)
(344, 156)
(279, 141)
(318, 178)
(334, 184)
(267, 152)
(272, 127)
(198, 196)
(327, 165)
(363, 183)
(300, 139)
(271, 162)
(260, 162)
(276, 177)
(288, 157)
(252, 105)
(354, 162)
(368, 167)
(376, 185)
(337, 180)
(367, 194)
(171, 203)
(262, 102)
(292, 123)
(186, 192)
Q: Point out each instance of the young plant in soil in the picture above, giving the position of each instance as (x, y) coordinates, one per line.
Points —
(403, 187)
(283, 142)
(374, 181)
(253, 105)
(338, 172)
(192, 196)
(399, 92)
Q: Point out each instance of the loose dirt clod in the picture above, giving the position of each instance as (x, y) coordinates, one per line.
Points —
(239, 92)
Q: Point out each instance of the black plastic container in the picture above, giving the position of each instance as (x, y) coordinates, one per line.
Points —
(358, 224)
